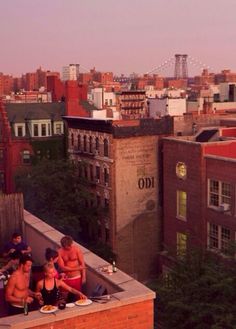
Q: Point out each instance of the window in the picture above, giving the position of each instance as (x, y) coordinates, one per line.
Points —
(105, 147)
(110, 100)
(36, 130)
(38, 153)
(2, 181)
(106, 204)
(1, 155)
(49, 129)
(97, 144)
(98, 200)
(85, 143)
(85, 171)
(219, 193)
(79, 143)
(181, 243)
(90, 144)
(181, 204)
(26, 157)
(97, 172)
(218, 237)
(58, 129)
(91, 172)
(107, 231)
(106, 176)
(20, 131)
(43, 129)
(72, 139)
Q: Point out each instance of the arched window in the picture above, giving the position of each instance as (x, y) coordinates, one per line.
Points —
(106, 176)
(91, 172)
(97, 144)
(79, 143)
(85, 143)
(90, 144)
(97, 172)
(72, 139)
(105, 144)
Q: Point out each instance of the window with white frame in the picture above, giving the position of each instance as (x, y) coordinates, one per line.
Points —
(49, 129)
(43, 130)
(20, 131)
(181, 204)
(58, 129)
(36, 130)
(218, 237)
(218, 193)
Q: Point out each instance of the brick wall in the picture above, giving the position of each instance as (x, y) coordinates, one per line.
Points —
(194, 185)
(134, 316)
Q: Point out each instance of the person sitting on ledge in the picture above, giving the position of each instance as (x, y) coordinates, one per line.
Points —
(16, 244)
(50, 287)
(17, 288)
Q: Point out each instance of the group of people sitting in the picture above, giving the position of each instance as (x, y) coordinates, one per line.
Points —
(64, 274)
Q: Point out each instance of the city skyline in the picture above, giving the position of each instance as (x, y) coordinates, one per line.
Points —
(122, 37)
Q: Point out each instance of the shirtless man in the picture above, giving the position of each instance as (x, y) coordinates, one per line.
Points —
(71, 261)
(17, 289)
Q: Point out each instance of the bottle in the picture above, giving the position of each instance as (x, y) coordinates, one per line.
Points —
(114, 268)
(26, 312)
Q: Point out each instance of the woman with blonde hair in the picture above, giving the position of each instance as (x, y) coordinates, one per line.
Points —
(50, 287)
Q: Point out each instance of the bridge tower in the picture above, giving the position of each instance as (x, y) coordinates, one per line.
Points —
(181, 67)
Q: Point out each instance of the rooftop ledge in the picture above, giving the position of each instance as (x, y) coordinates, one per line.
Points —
(128, 296)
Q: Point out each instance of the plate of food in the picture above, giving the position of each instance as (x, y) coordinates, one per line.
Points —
(83, 302)
(48, 309)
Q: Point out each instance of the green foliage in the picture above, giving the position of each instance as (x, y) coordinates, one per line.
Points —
(198, 293)
(53, 149)
(103, 251)
(55, 192)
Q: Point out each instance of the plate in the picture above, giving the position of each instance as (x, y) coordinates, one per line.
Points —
(70, 305)
(45, 309)
(83, 302)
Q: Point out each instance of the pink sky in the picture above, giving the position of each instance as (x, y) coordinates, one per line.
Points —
(122, 36)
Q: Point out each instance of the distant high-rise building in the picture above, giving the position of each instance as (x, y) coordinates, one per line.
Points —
(70, 72)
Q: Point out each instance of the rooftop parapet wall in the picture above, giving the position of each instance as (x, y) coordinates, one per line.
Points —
(130, 306)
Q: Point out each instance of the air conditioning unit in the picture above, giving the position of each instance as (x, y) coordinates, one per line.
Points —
(97, 180)
(106, 184)
(224, 207)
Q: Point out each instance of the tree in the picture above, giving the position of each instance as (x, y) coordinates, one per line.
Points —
(198, 293)
(56, 192)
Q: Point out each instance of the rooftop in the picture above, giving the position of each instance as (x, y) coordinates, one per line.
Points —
(130, 306)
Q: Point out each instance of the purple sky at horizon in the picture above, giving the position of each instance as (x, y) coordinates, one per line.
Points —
(122, 36)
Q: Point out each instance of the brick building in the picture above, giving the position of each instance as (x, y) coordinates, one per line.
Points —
(199, 178)
(25, 131)
(132, 104)
(123, 167)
